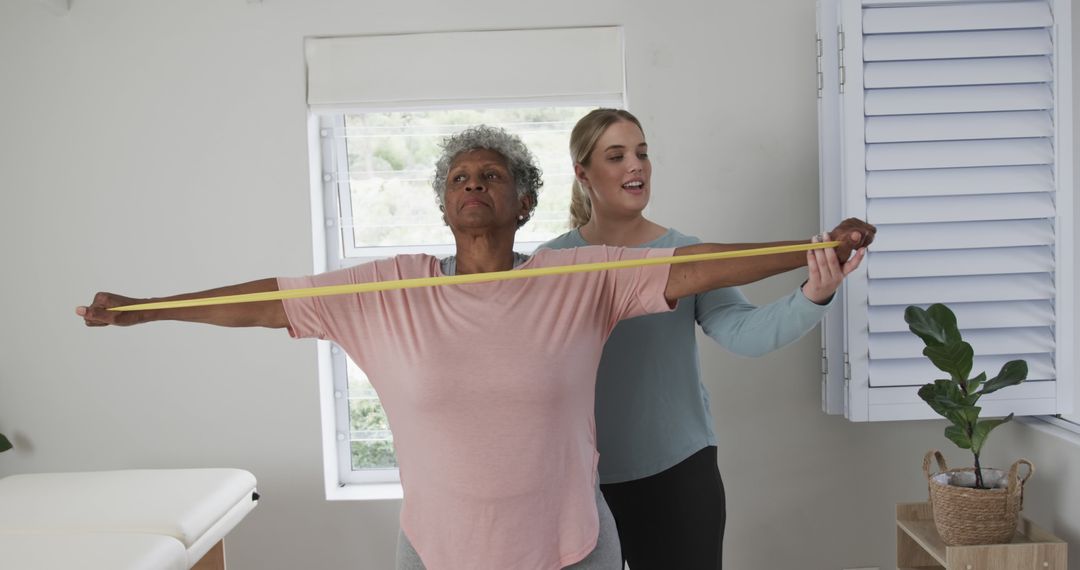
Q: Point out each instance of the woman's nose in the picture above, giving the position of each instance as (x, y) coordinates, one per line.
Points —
(474, 187)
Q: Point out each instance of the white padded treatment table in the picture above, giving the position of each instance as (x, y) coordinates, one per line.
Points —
(159, 519)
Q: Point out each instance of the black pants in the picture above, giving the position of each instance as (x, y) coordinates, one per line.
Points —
(673, 520)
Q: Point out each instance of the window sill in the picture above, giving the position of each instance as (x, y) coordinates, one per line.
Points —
(364, 492)
(1056, 427)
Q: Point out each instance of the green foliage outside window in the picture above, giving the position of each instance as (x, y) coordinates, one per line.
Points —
(391, 162)
(372, 445)
(391, 158)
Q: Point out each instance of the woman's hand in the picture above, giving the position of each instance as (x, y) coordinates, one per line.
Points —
(270, 314)
(97, 313)
(853, 234)
(826, 270)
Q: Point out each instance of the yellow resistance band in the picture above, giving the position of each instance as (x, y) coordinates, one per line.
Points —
(470, 278)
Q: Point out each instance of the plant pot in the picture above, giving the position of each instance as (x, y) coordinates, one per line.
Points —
(964, 515)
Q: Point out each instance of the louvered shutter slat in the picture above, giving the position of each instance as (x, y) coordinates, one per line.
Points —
(950, 45)
(959, 126)
(963, 289)
(918, 371)
(1027, 390)
(995, 315)
(1033, 340)
(960, 208)
(996, 70)
(954, 154)
(975, 16)
(959, 99)
(969, 235)
(954, 262)
(959, 181)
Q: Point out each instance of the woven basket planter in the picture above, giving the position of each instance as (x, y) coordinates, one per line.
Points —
(964, 515)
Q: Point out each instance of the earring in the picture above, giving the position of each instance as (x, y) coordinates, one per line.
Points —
(521, 216)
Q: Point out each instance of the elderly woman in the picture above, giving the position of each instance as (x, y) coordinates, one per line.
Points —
(488, 387)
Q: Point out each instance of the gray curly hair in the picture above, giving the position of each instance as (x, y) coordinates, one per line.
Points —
(527, 176)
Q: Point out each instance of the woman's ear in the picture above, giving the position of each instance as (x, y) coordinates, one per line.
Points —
(527, 205)
(581, 175)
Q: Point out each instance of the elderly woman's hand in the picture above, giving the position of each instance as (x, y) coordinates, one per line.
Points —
(96, 314)
(853, 234)
(826, 270)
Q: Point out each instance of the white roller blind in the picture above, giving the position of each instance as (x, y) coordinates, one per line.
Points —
(397, 70)
(953, 143)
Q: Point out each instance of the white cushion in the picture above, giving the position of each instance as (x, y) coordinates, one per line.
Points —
(91, 551)
(195, 506)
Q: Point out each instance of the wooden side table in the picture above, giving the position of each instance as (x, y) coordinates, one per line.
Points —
(918, 546)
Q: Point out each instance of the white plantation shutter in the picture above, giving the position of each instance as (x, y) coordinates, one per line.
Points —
(950, 138)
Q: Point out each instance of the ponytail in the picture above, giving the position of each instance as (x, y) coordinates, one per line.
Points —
(580, 206)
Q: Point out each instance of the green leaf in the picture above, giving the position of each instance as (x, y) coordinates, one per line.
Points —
(974, 383)
(952, 357)
(4, 443)
(958, 436)
(968, 415)
(1014, 372)
(943, 396)
(925, 326)
(946, 320)
(982, 429)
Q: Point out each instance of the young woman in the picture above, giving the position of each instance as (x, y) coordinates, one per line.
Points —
(658, 469)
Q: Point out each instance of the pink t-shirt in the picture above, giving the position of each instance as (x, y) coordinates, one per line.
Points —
(489, 389)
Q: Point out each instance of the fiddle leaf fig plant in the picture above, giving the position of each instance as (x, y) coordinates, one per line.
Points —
(955, 398)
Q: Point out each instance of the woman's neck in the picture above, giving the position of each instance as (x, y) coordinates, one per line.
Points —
(484, 253)
(625, 232)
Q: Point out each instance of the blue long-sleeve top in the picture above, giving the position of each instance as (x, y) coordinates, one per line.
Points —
(652, 411)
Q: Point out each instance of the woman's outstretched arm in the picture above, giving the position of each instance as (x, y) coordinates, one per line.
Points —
(270, 314)
(692, 278)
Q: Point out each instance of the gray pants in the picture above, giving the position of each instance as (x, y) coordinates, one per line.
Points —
(606, 556)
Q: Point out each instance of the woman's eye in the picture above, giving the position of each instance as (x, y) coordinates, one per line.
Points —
(643, 155)
(615, 158)
(458, 178)
(491, 175)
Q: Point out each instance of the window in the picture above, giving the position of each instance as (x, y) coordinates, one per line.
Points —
(378, 109)
(384, 163)
(948, 125)
(379, 202)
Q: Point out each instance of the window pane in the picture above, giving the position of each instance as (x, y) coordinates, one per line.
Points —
(391, 162)
(373, 455)
(370, 440)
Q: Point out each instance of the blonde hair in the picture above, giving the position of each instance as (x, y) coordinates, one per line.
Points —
(582, 141)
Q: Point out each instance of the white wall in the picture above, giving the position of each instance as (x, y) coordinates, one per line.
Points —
(152, 147)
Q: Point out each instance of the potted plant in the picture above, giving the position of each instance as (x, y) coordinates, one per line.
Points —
(976, 505)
